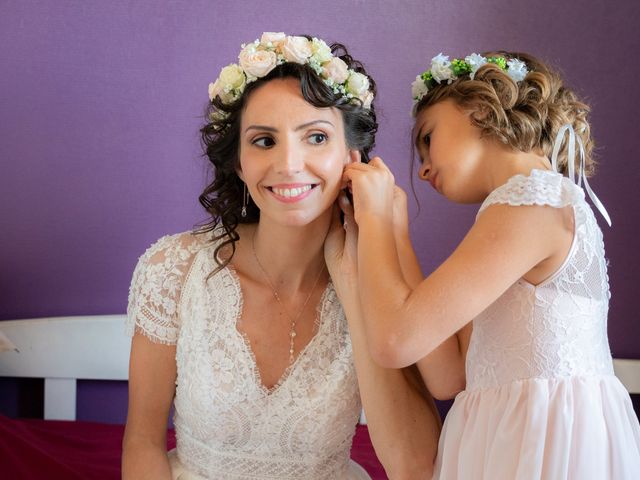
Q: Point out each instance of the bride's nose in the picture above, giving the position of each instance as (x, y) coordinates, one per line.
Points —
(290, 161)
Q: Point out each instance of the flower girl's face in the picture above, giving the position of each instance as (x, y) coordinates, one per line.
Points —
(292, 154)
(452, 152)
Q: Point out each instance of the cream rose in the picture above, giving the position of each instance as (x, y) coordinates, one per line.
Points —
(214, 89)
(257, 63)
(320, 51)
(296, 49)
(367, 100)
(232, 77)
(273, 38)
(357, 84)
(336, 70)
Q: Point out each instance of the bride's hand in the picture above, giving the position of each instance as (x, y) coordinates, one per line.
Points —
(340, 245)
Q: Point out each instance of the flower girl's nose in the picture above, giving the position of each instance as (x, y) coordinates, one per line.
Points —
(423, 173)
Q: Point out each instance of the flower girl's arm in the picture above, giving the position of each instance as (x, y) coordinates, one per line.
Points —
(405, 324)
(152, 376)
(442, 370)
(403, 422)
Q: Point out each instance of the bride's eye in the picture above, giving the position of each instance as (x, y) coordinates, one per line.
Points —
(317, 138)
(264, 142)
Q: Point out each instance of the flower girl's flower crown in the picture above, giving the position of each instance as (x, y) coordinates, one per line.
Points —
(442, 69)
(257, 59)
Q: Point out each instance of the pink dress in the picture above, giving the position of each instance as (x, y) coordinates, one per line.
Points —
(542, 401)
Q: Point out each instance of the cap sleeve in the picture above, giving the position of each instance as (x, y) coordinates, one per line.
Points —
(156, 286)
(541, 187)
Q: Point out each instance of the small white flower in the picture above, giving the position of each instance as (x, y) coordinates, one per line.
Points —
(475, 61)
(441, 68)
(357, 84)
(320, 51)
(335, 70)
(296, 49)
(418, 88)
(517, 69)
(272, 39)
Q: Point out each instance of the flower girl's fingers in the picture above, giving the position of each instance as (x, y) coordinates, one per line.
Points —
(345, 204)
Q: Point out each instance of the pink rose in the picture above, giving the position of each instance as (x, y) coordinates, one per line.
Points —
(273, 38)
(336, 70)
(257, 63)
(296, 49)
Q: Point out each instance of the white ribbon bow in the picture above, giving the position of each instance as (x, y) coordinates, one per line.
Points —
(571, 159)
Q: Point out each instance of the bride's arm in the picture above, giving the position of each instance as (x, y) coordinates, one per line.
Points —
(403, 422)
(152, 376)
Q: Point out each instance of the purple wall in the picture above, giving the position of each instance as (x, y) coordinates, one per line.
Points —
(100, 104)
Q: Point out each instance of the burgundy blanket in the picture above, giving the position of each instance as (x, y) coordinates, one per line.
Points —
(52, 450)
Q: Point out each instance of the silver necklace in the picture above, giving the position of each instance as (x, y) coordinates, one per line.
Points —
(294, 320)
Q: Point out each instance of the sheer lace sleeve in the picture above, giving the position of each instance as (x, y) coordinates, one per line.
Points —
(154, 295)
(541, 187)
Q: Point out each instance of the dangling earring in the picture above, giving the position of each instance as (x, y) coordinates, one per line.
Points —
(245, 200)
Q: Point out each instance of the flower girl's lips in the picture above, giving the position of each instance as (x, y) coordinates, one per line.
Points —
(291, 192)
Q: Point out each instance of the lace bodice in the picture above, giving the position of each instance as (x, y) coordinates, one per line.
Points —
(228, 425)
(559, 327)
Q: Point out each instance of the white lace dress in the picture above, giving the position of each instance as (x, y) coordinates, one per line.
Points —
(228, 425)
(541, 400)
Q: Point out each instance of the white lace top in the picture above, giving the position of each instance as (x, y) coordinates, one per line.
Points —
(228, 425)
(559, 327)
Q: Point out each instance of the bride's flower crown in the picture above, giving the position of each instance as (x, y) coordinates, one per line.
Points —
(444, 70)
(258, 58)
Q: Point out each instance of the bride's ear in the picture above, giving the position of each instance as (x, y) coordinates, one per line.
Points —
(354, 156)
(239, 173)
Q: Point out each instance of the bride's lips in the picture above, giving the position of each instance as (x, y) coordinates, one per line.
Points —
(291, 192)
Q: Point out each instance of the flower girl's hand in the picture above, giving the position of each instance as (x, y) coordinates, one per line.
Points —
(372, 186)
(400, 212)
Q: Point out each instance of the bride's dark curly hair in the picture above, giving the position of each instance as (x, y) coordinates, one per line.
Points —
(222, 199)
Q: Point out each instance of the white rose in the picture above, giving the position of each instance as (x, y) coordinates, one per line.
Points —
(218, 89)
(296, 49)
(257, 63)
(441, 68)
(517, 69)
(320, 50)
(475, 61)
(357, 84)
(418, 88)
(272, 39)
(336, 70)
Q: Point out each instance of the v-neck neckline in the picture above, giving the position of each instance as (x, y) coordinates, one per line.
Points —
(246, 343)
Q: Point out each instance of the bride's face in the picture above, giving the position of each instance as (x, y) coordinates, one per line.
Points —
(292, 154)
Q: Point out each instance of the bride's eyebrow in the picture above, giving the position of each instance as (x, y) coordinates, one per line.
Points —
(313, 122)
(261, 127)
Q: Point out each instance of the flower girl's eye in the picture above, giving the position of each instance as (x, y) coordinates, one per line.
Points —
(317, 138)
(427, 139)
(264, 142)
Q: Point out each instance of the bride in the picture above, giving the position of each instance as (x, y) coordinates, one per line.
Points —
(241, 324)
